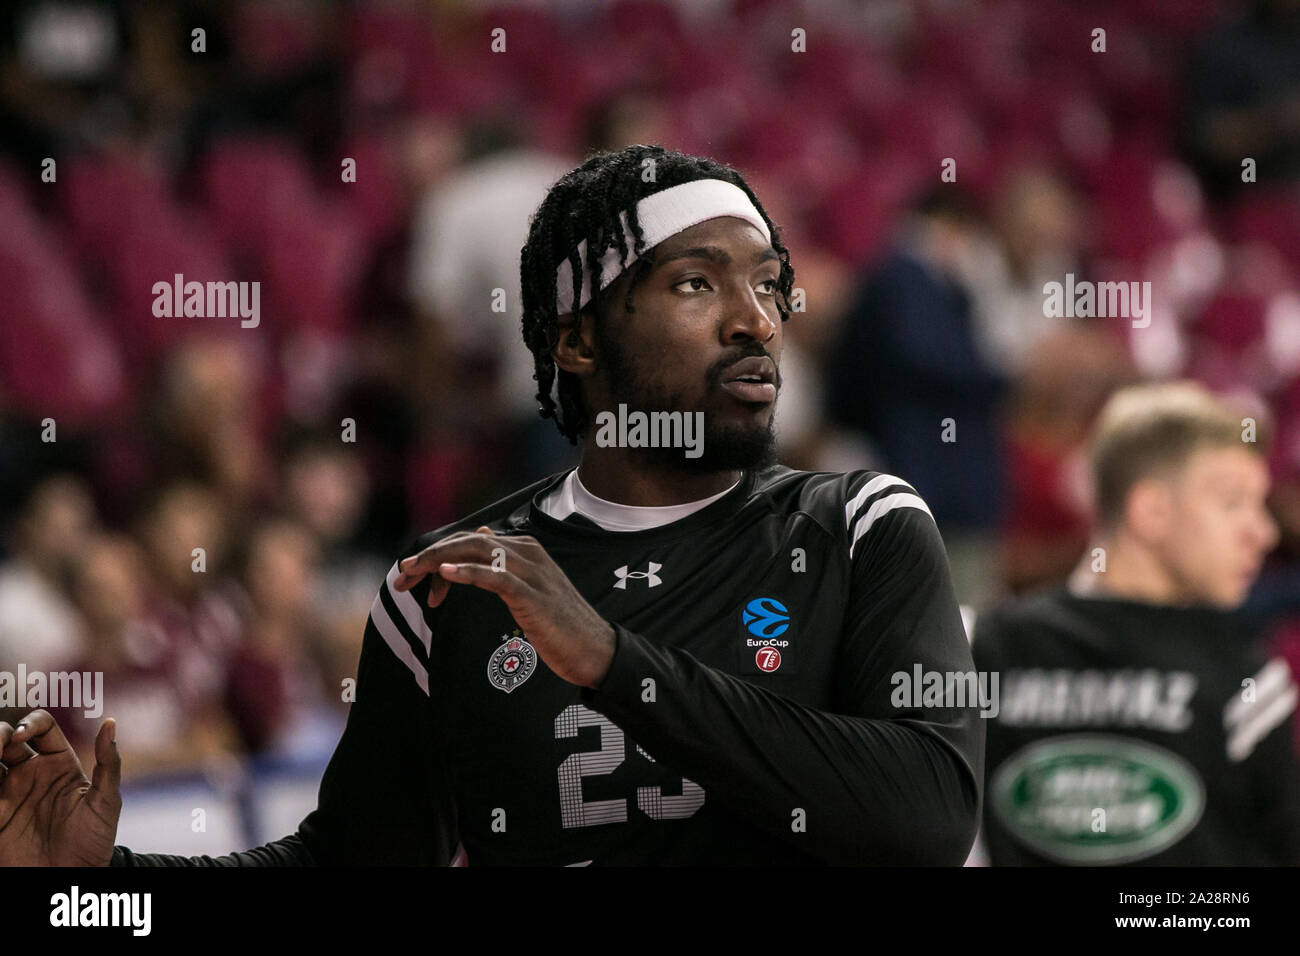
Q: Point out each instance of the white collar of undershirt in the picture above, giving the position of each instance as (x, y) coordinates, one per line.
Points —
(572, 497)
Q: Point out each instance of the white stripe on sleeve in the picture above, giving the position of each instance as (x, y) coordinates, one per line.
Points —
(1272, 678)
(1275, 700)
(397, 643)
(869, 489)
(884, 506)
(410, 609)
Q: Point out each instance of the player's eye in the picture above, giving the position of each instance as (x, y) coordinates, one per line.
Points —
(699, 279)
(769, 282)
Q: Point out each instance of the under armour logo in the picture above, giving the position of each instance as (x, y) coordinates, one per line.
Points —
(623, 574)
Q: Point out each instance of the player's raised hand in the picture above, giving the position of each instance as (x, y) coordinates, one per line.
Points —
(575, 642)
(50, 814)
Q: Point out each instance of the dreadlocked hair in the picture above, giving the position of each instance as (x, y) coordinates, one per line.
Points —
(585, 205)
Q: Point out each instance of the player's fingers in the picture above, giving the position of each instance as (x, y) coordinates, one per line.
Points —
(12, 754)
(411, 559)
(39, 728)
(479, 550)
(474, 547)
(484, 576)
(438, 589)
(106, 780)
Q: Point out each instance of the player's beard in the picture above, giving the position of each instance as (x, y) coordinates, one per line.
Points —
(725, 447)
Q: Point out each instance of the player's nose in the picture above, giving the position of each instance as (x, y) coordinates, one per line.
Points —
(748, 318)
(1259, 536)
(1268, 532)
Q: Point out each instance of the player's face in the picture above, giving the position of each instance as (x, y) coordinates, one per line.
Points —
(706, 306)
(1220, 530)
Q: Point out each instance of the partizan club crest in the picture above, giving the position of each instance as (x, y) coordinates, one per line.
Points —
(512, 663)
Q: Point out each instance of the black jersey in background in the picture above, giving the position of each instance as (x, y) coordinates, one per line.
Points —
(1140, 733)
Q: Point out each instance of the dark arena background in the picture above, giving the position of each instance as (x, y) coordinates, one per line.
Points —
(199, 507)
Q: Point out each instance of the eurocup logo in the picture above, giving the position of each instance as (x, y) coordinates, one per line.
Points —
(765, 617)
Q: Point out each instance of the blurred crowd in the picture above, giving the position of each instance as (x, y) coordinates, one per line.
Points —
(373, 166)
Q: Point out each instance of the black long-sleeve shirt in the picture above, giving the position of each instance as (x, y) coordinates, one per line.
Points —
(750, 714)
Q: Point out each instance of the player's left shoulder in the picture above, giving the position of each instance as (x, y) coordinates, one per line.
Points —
(851, 504)
(854, 507)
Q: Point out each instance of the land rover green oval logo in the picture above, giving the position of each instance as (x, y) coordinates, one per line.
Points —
(1049, 793)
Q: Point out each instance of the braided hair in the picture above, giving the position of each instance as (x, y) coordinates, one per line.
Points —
(585, 205)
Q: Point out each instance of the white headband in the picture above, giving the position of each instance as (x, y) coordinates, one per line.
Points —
(660, 215)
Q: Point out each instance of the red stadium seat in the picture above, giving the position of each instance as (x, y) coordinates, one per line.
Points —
(1233, 321)
(249, 183)
(55, 359)
(375, 200)
(156, 252)
(313, 264)
(102, 193)
(274, 37)
(1272, 218)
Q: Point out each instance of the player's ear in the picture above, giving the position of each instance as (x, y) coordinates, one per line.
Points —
(574, 350)
(1149, 510)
